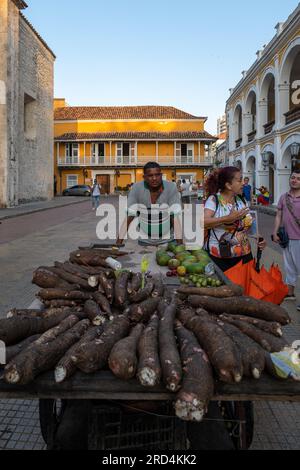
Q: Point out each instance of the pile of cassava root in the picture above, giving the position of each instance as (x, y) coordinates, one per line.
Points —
(95, 319)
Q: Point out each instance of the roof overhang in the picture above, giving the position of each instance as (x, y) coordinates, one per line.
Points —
(20, 4)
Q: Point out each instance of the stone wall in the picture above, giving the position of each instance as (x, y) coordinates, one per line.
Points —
(26, 111)
(36, 105)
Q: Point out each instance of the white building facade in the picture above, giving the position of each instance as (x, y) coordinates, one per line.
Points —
(263, 112)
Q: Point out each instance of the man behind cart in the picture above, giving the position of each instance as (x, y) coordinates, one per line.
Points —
(157, 204)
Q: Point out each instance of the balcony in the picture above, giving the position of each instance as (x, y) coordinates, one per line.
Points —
(251, 136)
(292, 116)
(112, 161)
(269, 127)
(238, 143)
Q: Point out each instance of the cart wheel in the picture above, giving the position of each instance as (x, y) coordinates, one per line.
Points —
(50, 413)
(242, 426)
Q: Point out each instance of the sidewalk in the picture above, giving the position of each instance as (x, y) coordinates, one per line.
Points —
(40, 206)
(270, 210)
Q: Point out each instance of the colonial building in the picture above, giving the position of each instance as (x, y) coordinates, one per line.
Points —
(263, 112)
(112, 144)
(26, 109)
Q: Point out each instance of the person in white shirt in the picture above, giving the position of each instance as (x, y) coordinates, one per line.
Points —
(186, 192)
(96, 192)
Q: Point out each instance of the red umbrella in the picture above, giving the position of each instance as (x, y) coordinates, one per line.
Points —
(259, 284)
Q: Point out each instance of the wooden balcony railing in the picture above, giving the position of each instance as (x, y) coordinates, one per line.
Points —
(292, 116)
(238, 143)
(269, 127)
(251, 135)
(133, 161)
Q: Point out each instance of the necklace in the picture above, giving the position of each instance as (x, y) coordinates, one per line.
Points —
(225, 201)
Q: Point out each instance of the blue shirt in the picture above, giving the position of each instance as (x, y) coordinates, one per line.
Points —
(247, 192)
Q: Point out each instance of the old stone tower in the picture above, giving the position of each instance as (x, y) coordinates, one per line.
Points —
(26, 109)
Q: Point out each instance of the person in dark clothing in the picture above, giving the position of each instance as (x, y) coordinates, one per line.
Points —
(247, 190)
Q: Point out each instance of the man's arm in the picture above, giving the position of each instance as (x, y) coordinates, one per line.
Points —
(124, 229)
(277, 224)
(132, 201)
(175, 203)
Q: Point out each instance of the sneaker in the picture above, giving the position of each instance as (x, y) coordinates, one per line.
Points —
(290, 297)
(298, 308)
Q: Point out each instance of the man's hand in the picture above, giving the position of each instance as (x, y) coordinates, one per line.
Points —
(276, 238)
(119, 243)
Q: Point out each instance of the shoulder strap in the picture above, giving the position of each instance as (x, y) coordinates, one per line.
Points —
(217, 201)
(212, 230)
(291, 210)
(242, 198)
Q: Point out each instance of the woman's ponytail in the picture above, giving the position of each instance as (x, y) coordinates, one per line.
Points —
(218, 179)
(212, 183)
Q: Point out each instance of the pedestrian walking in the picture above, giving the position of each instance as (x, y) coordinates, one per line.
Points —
(96, 192)
(287, 232)
(186, 192)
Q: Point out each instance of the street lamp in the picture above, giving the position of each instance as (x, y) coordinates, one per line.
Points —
(265, 159)
(295, 148)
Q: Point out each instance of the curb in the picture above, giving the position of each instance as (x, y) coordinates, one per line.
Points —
(40, 209)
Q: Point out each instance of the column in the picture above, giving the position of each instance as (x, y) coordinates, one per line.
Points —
(277, 95)
(199, 152)
(57, 153)
(136, 153)
(84, 153)
(282, 178)
(231, 145)
(9, 104)
(277, 166)
(262, 178)
(110, 151)
(284, 102)
(157, 152)
(247, 122)
(262, 112)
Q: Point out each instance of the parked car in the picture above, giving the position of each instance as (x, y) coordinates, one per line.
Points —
(79, 190)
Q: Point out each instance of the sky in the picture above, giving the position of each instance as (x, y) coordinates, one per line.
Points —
(185, 54)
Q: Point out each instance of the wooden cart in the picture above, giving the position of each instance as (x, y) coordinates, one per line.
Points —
(106, 396)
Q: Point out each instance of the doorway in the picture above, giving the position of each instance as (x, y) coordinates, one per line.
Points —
(104, 181)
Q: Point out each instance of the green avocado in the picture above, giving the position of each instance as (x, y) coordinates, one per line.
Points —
(172, 246)
(162, 258)
(195, 268)
(183, 256)
(179, 249)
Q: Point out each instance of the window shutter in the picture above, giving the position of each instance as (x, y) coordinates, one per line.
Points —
(190, 153)
(119, 153)
(178, 152)
(132, 153)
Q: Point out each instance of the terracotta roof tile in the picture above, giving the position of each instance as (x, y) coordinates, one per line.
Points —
(203, 135)
(121, 112)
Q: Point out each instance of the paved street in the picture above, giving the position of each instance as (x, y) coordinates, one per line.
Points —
(39, 239)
